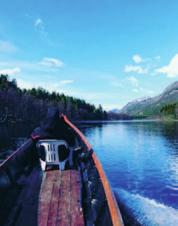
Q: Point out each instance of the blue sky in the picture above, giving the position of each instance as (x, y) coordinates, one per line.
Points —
(107, 52)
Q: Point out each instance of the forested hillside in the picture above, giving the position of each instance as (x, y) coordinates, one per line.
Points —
(22, 105)
(169, 111)
(151, 107)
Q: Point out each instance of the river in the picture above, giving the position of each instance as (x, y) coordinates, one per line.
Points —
(140, 159)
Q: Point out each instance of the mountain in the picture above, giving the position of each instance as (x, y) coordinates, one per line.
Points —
(151, 106)
(115, 111)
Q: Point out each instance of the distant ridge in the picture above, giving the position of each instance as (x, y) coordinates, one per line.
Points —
(151, 106)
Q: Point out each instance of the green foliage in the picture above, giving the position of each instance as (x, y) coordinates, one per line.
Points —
(31, 104)
(5, 83)
(170, 110)
(151, 107)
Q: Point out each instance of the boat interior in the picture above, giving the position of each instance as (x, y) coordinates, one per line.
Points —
(52, 182)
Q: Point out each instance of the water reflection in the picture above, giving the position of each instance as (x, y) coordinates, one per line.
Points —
(141, 158)
(141, 161)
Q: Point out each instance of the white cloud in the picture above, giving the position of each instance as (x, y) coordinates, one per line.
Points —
(38, 22)
(7, 47)
(51, 62)
(135, 68)
(64, 82)
(137, 58)
(39, 25)
(10, 71)
(171, 70)
(133, 81)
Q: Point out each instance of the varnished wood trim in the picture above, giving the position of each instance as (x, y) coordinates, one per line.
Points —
(78, 132)
(113, 207)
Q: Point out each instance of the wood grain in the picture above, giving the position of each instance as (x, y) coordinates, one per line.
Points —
(59, 202)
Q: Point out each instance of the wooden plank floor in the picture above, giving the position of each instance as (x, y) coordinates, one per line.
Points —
(59, 203)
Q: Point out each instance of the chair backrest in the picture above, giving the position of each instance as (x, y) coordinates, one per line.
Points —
(55, 151)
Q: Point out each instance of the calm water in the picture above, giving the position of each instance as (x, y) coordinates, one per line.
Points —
(141, 162)
(140, 159)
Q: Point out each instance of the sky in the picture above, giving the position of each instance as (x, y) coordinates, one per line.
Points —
(107, 52)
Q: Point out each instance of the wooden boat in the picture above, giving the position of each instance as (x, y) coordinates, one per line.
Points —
(56, 179)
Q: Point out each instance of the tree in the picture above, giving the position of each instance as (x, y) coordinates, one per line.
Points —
(31, 105)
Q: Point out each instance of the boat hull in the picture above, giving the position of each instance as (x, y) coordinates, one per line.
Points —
(21, 179)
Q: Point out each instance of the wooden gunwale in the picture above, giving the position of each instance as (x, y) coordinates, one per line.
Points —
(112, 204)
(113, 207)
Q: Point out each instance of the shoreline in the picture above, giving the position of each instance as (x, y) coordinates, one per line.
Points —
(102, 121)
(126, 120)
